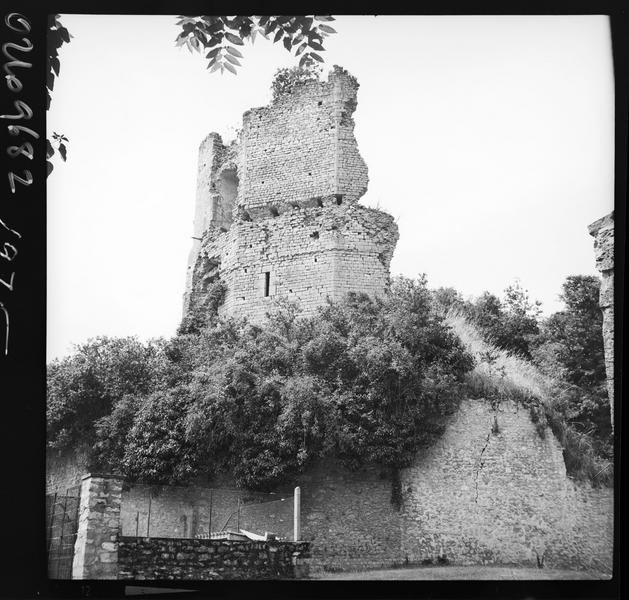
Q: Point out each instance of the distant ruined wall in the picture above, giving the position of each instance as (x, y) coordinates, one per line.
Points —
(603, 232)
(276, 213)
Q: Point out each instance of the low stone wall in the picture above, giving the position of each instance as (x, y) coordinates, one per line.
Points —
(175, 558)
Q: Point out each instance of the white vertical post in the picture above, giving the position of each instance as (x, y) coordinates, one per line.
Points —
(297, 515)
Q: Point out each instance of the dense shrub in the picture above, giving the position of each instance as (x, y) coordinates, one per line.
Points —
(511, 323)
(364, 380)
(570, 349)
(86, 385)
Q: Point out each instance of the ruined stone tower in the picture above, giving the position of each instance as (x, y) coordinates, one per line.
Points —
(277, 213)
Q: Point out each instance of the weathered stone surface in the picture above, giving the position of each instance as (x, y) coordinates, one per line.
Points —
(290, 185)
(603, 232)
(144, 558)
(96, 546)
(484, 498)
(475, 497)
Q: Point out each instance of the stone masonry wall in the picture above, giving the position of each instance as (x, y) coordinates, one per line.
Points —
(302, 146)
(603, 232)
(349, 519)
(295, 232)
(483, 494)
(309, 254)
(161, 558)
(500, 495)
(96, 546)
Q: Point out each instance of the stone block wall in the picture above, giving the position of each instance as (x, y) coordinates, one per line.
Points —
(349, 518)
(172, 558)
(603, 232)
(309, 253)
(295, 232)
(490, 491)
(302, 146)
(96, 546)
(495, 492)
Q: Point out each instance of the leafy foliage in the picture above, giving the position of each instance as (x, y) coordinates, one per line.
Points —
(570, 348)
(511, 323)
(221, 36)
(57, 35)
(286, 79)
(363, 380)
(85, 386)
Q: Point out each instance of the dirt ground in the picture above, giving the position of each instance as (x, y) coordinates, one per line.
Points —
(467, 574)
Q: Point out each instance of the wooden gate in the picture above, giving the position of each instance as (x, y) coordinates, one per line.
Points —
(62, 517)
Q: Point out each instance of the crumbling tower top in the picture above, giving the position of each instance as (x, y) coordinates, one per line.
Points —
(302, 146)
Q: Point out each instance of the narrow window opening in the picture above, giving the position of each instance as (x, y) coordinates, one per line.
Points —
(339, 199)
(274, 211)
(320, 102)
(319, 202)
(267, 283)
(315, 260)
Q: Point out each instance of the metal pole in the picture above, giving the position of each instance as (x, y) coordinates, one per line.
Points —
(209, 527)
(297, 515)
(137, 522)
(238, 517)
(148, 518)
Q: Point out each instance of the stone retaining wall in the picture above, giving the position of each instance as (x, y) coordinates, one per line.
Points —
(493, 491)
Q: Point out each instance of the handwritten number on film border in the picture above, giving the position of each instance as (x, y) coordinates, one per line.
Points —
(8, 251)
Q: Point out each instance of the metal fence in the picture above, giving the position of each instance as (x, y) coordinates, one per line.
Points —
(62, 517)
(194, 511)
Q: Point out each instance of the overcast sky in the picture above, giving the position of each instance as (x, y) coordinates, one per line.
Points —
(490, 139)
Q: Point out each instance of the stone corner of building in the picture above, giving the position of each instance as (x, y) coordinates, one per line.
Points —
(605, 222)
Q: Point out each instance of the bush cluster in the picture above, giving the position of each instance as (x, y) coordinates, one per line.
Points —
(364, 381)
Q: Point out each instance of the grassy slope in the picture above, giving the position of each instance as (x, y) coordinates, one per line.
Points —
(499, 373)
